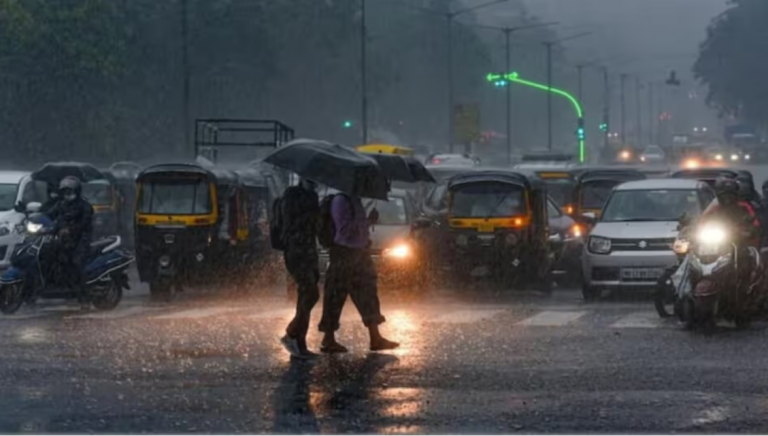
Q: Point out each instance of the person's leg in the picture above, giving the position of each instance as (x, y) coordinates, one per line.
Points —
(334, 296)
(365, 296)
(308, 295)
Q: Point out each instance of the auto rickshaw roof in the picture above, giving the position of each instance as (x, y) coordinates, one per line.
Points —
(584, 174)
(221, 176)
(481, 176)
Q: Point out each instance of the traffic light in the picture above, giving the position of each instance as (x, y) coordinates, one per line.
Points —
(347, 124)
(580, 133)
(500, 83)
(603, 127)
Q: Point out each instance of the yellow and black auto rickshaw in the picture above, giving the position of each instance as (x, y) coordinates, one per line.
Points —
(498, 220)
(385, 149)
(197, 225)
(593, 186)
(105, 199)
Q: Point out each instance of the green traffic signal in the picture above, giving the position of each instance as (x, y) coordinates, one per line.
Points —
(604, 127)
(347, 124)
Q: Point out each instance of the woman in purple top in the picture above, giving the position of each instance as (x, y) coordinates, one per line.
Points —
(351, 272)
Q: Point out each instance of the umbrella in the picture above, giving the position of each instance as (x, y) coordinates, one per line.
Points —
(402, 168)
(332, 165)
(54, 172)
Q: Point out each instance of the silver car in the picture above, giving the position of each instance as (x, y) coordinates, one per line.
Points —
(631, 244)
(652, 154)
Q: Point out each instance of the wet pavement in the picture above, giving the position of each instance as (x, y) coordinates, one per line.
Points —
(469, 363)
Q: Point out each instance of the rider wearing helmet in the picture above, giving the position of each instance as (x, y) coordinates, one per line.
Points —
(49, 207)
(74, 227)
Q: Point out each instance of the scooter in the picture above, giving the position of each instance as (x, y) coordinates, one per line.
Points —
(716, 290)
(30, 276)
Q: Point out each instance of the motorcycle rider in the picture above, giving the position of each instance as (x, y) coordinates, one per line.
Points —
(49, 207)
(74, 226)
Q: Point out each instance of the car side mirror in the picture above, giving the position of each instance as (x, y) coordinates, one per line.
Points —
(33, 207)
(20, 207)
(589, 217)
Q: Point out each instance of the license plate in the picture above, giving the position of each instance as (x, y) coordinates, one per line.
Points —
(485, 228)
(641, 273)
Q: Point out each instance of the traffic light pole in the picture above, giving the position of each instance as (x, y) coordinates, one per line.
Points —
(549, 95)
(450, 82)
(363, 73)
(638, 134)
(507, 35)
(606, 107)
(623, 111)
(651, 115)
(186, 90)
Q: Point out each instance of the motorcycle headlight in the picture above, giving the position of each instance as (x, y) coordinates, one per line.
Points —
(747, 157)
(599, 245)
(34, 227)
(400, 251)
(462, 240)
(712, 234)
(680, 246)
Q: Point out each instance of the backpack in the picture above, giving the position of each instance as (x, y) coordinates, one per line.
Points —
(327, 231)
(276, 224)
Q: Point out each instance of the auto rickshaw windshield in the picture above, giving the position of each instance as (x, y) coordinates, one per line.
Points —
(488, 200)
(594, 194)
(175, 197)
(561, 190)
(98, 192)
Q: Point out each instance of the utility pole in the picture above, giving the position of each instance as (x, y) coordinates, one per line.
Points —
(549, 95)
(650, 113)
(638, 137)
(507, 34)
(623, 111)
(449, 18)
(606, 107)
(363, 73)
(186, 73)
(580, 71)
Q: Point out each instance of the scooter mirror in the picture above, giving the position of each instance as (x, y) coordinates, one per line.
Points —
(33, 207)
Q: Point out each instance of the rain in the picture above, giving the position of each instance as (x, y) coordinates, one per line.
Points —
(383, 216)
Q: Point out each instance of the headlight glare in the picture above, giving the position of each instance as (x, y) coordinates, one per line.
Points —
(34, 227)
(711, 234)
(400, 251)
(599, 245)
(734, 157)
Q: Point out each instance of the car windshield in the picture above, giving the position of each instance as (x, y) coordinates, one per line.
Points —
(98, 193)
(174, 197)
(488, 200)
(652, 205)
(391, 213)
(8, 195)
(561, 190)
(595, 194)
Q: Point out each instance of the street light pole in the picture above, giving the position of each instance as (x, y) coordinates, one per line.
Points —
(623, 111)
(363, 73)
(650, 112)
(639, 127)
(185, 72)
(606, 107)
(549, 95)
(507, 34)
(580, 71)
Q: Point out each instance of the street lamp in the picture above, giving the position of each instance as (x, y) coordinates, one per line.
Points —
(549, 45)
(507, 36)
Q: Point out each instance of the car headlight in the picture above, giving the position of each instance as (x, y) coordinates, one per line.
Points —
(625, 155)
(713, 234)
(34, 227)
(691, 164)
(399, 251)
(734, 157)
(681, 246)
(462, 240)
(642, 158)
(599, 245)
(747, 157)
(718, 157)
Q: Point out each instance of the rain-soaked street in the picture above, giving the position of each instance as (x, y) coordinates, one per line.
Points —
(469, 362)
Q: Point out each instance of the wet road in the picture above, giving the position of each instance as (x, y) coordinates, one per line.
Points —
(468, 364)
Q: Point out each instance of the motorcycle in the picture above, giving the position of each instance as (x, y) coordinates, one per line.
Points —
(666, 293)
(715, 289)
(31, 275)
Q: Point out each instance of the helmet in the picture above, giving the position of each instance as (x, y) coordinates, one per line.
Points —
(70, 186)
(727, 190)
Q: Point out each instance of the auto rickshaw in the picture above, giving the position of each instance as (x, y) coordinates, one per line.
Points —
(593, 186)
(106, 202)
(498, 220)
(198, 225)
(385, 149)
(123, 178)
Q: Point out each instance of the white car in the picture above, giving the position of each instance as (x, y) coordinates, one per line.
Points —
(11, 192)
(652, 154)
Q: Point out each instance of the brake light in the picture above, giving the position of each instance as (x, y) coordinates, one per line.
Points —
(436, 161)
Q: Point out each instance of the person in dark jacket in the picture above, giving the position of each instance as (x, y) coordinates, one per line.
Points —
(301, 214)
(49, 207)
(351, 272)
(74, 228)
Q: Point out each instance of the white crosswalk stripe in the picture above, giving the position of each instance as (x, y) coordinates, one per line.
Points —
(644, 320)
(552, 318)
(466, 316)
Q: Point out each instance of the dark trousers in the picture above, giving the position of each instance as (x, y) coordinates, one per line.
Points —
(302, 265)
(351, 272)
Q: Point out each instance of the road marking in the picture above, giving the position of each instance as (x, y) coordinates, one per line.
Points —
(123, 312)
(197, 313)
(466, 316)
(711, 415)
(639, 320)
(550, 318)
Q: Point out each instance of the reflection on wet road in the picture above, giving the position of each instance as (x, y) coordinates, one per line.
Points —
(468, 363)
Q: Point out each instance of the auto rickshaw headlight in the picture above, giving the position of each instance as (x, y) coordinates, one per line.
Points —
(511, 239)
(462, 240)
(399, 251)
